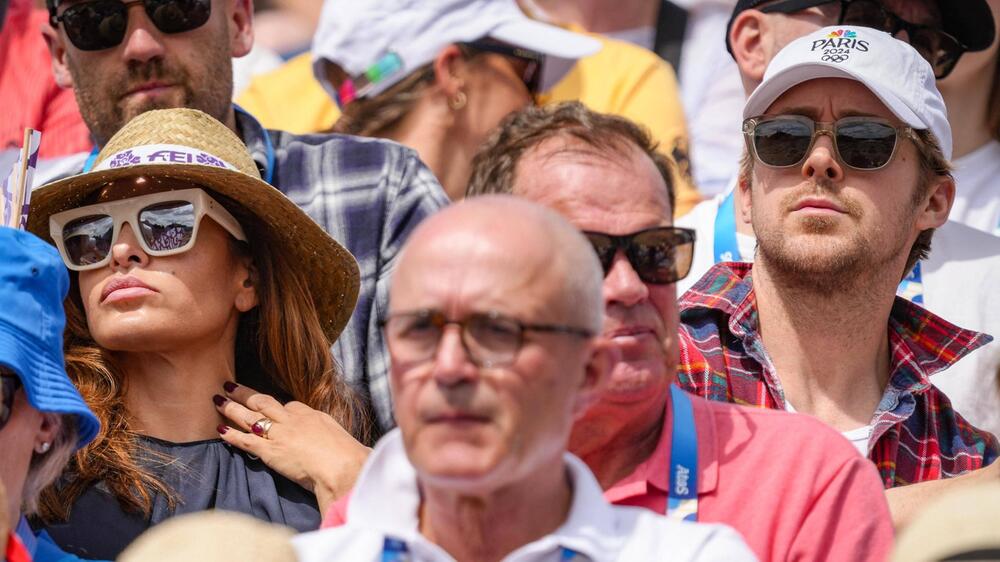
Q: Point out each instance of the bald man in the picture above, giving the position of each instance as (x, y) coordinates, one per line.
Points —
(492, 336)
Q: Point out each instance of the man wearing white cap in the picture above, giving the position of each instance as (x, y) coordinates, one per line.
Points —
(963, 259)
(846, 179)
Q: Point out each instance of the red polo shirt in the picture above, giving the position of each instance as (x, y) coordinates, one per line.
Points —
(794, 488)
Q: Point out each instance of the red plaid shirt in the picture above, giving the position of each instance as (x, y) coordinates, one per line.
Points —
(917, 436)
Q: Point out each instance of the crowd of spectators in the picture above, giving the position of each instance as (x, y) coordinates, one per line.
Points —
(501, 280)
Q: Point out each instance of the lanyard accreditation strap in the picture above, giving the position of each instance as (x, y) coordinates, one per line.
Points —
(395, 550)
(726, 248)
(682, 501)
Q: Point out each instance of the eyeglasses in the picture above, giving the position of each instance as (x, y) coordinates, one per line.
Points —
(783, 141)
(165, 223)
(9, 383)
(938, 47)
(531, 74)
(659, 255)
(101, 24)
(490, 339)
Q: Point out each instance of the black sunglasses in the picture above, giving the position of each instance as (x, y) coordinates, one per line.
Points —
(8, 386)
(659, 255)
(101, 24)
(939, 48)
(532, 74)
(783, 141)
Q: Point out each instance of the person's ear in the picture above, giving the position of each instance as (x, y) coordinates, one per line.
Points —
(48, 429)
(603, 357)
(57, 51)
(747, 39)
(744, 201)
(241, 28)
(246, 294)
(937, 205)
(449, 71)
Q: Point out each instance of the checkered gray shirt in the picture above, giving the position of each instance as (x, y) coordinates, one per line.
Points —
(368, 194)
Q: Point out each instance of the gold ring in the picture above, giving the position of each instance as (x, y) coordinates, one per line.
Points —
(261, 427)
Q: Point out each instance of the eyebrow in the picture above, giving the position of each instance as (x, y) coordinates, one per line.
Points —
(813, 113)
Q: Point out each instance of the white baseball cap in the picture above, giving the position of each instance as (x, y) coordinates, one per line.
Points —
(357, 34)
(892, 69)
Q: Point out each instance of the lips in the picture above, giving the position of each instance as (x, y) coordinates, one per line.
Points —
(629, 331)
(125, 287)
(147, 87)
(456, 417)
(810, 203)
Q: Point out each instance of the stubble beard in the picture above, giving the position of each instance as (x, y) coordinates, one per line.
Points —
(105, 111)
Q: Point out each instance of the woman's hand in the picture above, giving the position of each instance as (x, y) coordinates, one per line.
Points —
(302, 444)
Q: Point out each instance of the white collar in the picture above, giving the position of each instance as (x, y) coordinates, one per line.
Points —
(386, 499)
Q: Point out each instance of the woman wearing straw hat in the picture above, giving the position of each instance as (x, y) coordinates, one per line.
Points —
(43, 419)
(195, 282)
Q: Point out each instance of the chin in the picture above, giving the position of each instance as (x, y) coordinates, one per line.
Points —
(636, 382)
(457, 467)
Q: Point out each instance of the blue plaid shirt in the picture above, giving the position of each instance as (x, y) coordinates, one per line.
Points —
(369, 195)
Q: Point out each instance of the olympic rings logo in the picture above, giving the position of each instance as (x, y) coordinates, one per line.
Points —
(835, 58)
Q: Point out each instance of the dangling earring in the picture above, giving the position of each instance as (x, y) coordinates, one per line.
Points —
(458, 101)
(43, 448)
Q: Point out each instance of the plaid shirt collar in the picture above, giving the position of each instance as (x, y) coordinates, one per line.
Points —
(921, 343)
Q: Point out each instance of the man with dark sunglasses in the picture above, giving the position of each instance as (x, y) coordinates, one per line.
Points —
(846, 179)
(786, 482)
(123, 58)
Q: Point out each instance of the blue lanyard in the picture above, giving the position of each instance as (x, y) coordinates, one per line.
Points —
(682, 501)
(727, 249)
(912, 286)
(725, 245)
(395, 550)
(268, 148)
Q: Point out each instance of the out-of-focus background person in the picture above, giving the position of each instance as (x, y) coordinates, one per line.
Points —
(212, 536)
(43, 419)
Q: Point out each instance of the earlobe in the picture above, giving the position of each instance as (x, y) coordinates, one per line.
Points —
(47, 432)
(246, 296)
(57, 52)
(743, 199)
(448, 71)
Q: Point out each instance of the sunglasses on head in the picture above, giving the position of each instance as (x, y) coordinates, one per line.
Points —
(164, 223)
(659, 255)
(531, 73)
(938, 47)
(101, 24)
(783, 141)
(9, 383)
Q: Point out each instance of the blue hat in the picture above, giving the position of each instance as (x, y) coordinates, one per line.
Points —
(33, 285)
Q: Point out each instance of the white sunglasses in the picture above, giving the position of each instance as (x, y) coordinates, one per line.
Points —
(165, 223)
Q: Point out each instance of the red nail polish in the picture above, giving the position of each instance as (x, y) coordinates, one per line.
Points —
(222, 429)
(229, 386)
(219, 400)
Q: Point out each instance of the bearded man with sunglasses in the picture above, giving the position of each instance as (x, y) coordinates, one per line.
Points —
(963, 261)
(792, 487)
(125, 58)
(846, 179)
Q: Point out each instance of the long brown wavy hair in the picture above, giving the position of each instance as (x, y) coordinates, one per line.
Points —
(280, 350)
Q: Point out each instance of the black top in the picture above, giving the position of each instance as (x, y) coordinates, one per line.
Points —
(204, 475)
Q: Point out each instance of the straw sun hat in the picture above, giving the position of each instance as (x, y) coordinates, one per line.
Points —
(189, 145)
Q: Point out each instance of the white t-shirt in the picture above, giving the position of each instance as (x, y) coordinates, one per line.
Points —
(961, 281)
(977, 189)
(386, 502)
(858, 437)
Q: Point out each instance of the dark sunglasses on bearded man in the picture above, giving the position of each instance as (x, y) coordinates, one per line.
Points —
(95, 25)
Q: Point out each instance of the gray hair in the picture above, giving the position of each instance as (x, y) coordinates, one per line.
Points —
(46, 467)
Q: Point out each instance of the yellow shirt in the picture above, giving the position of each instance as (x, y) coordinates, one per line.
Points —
(620, 79)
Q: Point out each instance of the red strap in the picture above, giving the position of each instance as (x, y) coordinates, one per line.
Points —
(16, 552)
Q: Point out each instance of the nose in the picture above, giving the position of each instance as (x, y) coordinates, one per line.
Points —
(822, 161)
(143, 41)
(452, 364)
(622, 285)
(126, 252)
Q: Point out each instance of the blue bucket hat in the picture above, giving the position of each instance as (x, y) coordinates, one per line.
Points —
(33, 285)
